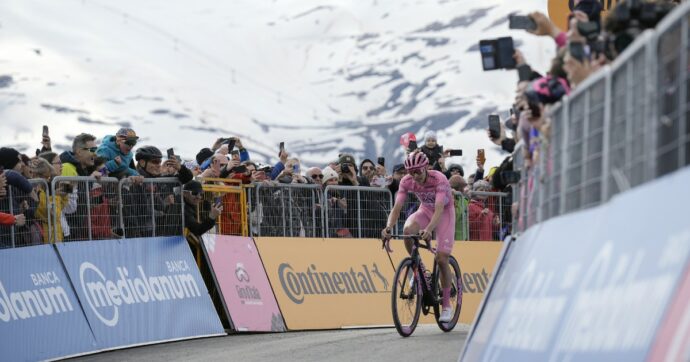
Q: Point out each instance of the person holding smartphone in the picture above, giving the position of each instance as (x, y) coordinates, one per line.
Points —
(193, 200)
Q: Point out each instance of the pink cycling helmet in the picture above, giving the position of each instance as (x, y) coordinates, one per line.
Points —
(416, 160)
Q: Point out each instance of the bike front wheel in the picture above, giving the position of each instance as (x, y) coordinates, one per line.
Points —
(406, 301)
(455, 295)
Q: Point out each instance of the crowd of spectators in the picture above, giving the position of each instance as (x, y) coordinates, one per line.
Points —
(589, 43)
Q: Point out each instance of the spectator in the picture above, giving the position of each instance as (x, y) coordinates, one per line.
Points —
(455, 169)
(54, 161)
(458, 184)
(480, 216)
(315, 176)
(43, 170)
(218, 164)
(280, 166)
(337, 206)
(193, 200)
(71, 205)
(10, 159)
(367, 170)
(117, 150)
(76, 162)
(432, 150)
(347, 170)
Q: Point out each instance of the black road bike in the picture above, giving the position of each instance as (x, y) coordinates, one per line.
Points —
(415, 290)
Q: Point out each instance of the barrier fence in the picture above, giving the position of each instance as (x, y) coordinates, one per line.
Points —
(623, 126)
(85, 208)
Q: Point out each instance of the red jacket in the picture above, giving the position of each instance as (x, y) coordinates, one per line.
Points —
(6, 219)
(480, 224)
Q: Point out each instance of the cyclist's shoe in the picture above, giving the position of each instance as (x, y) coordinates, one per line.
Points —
(446, 315)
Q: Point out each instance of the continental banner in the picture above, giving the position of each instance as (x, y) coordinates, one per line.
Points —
(336, 283)
(240, 276)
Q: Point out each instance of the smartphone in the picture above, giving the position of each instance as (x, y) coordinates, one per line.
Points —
(577, 51)
(494, 126)
(218, 200)
(281, 148)
(455, 152)
(230, 142)
(497, 53)
(45, 131)
(171, 153)
(239, 169)
(588, 29)
(521, 22)
(412, 146)
(480, 155)
(295, 168)
(381, 161)
(524, 72)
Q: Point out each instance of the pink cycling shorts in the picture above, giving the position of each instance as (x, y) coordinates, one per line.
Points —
(445, 230)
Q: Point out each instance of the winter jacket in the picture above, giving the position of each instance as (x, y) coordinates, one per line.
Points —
(70, 165)
(190, 221)
(43, 214)
(109, 150)
(480, 224)
(6, 219)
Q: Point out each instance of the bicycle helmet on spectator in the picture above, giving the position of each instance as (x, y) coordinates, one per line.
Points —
(147, 153)
(416, 160)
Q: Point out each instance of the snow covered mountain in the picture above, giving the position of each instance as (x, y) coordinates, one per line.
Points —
(323, 76)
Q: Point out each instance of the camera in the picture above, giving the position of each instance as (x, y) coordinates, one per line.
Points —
(497, 53)
(345, 168)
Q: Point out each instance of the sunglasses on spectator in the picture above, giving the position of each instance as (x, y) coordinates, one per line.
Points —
(367, 167)
(90, 149)
(317, 176)
(194, 193)
(131, 143)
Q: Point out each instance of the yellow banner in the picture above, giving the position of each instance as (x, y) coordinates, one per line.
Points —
(336, 283)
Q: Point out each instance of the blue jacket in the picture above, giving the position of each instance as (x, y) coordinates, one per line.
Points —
(109, 150)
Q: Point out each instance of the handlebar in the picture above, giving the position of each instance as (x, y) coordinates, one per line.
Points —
(415, 238)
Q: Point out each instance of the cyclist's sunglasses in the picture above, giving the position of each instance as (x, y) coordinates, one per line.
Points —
(90, 149)
(418, 171)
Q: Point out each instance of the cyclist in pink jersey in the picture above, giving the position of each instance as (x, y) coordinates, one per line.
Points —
(436, 213)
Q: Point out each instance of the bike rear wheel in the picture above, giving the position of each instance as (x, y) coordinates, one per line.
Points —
(455, 295)
(406, 301)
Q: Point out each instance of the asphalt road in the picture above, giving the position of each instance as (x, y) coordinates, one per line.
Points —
(380, 344)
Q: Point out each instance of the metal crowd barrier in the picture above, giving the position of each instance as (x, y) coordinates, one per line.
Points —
(360, 212)
(37, 229)
(152, 208)
(623, 126)
(488, 216)
(288, 210)
(96, 215)
(229, 192)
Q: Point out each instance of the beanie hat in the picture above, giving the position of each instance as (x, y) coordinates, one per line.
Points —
(9, 157)
(203, 155)
(430, 135)
(549, 89)
(328, 174)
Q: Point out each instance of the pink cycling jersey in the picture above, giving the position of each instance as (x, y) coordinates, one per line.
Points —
(435, 188)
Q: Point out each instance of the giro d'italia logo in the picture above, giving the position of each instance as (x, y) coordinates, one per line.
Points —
(241, 273)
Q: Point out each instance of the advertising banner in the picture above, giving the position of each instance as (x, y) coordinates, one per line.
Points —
(242, 280)
(138, 291)
(589, 286)
(37, 306)
(336, 283)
